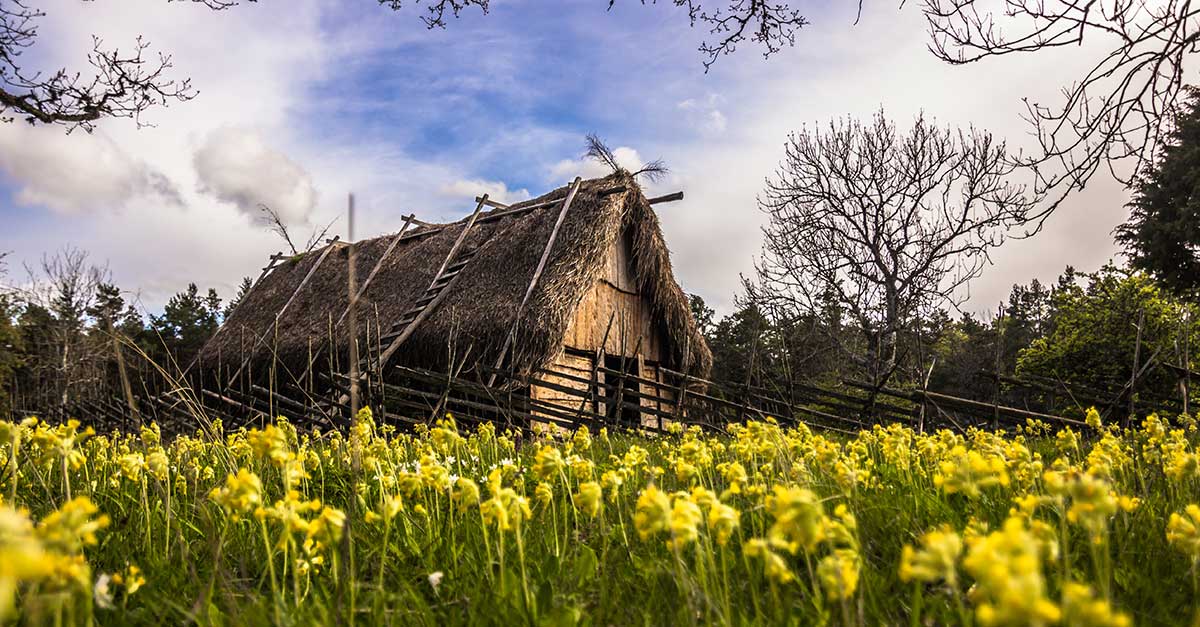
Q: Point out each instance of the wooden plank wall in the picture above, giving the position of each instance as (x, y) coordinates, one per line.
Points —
(632, 333)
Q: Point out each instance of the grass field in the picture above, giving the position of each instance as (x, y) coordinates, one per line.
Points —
(764, 525)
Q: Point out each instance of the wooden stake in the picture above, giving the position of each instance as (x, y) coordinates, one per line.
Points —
(352, 310)
(537, 274)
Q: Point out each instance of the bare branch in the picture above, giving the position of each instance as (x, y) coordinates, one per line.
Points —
(275, 224)
(1117, 114)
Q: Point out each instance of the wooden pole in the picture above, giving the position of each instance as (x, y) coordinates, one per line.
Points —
(1187, 362)
(279, 314)
(1133, 373)
(429, 307)
(537, 274)
(125, 387)
(352, 312)
(999, 355)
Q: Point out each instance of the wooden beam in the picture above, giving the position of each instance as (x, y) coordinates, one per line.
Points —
(490, 203)
(459, 241)
(666, 198)
(408, 222)
(537, 273)
(387, 354)
(304, 282)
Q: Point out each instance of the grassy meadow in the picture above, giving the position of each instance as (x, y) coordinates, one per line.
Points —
(445, 525)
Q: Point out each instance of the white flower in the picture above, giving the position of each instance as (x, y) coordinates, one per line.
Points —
(101, 592)
(435, 579)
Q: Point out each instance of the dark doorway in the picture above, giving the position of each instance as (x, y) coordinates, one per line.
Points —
(619, 395)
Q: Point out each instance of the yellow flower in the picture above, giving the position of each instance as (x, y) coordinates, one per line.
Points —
(838, 573)
(158, 464)
(775, 566)
(799, 519)
(936, 560)
(132, 465)
(612, 481)
(1081, 608)
(969, 472)
(684, 521)
(544, 494)
(1010, 588)
(269, 443)
(22, 556)
(1183, 531)
(241, 494)
(131, 579)
(465, 494)
(72, 526)
(723, 520)
(590, 498)
(547, 463)
(651, 513)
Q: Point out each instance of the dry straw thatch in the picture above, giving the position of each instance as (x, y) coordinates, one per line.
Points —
(479, 312)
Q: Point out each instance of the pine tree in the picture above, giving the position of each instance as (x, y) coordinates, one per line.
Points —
(1162, 235)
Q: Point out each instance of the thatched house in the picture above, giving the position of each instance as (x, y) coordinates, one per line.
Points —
(606, 290)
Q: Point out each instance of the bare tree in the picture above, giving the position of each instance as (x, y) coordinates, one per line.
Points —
(888, 226)
(1116, 114)
(61, 292)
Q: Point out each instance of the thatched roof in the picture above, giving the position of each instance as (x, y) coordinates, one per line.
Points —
(479, 311)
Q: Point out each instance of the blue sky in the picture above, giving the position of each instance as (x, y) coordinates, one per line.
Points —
(304, 101)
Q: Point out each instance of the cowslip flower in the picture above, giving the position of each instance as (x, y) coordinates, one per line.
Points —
(838, 573)
(241, 494)
(1010, 588)
(723, 520)
(935, 560)
(1183, 531)
(799, 519)
(1081, 608)
(775, 567)
(684, 522)
(651, 513)
(589, 499)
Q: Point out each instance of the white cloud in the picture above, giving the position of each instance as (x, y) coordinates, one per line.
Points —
(704, 114)
(237, 166)
(76, 173)
(496, 190)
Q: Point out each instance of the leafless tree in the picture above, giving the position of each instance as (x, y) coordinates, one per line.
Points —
(1115, 116)
(62, 288)
(889, 226)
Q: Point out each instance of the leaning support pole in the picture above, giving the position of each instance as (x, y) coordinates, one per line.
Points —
(386, 356)
(262, 338)
(537, 274)
(352, 313)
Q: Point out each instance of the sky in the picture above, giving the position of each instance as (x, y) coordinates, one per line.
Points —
(301, 102)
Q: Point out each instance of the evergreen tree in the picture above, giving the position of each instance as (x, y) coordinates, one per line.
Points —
(1162, 235)
(188, 320)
